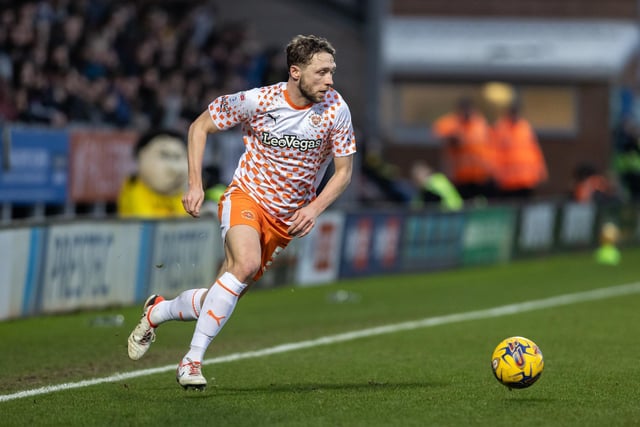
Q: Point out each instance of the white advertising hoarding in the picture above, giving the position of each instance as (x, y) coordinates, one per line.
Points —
(578, 221)
(14, 269)
(185, 255)
(536, 227)
(90, 265)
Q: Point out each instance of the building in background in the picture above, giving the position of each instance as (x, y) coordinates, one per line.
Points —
(567, 62)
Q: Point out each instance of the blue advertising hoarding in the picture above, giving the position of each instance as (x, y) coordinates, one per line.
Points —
(432, 240)
(371, 244)
(34, 166)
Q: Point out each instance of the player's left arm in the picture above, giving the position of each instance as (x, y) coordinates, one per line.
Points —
(304, 219)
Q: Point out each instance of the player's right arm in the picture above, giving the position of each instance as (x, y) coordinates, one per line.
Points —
(198, 130)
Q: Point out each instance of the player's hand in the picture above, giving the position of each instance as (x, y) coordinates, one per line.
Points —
(192, 201)
(302, 221)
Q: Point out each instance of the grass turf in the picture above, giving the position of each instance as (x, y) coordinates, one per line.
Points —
(431, 376)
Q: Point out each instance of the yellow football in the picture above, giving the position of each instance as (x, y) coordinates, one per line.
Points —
(517, 362)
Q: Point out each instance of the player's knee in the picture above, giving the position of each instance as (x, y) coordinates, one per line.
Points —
(245, 269)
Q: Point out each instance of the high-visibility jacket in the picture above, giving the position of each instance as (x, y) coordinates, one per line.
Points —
(467, 148)
(438, 187)
(587, 189)
(519, 160)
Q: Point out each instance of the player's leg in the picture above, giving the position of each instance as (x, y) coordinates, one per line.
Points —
(186, 306)
(157, 310)
(240, 219)
(243, 254)
(247, 255)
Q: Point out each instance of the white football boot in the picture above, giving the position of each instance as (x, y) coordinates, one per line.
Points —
(144, 333)
(189, 375)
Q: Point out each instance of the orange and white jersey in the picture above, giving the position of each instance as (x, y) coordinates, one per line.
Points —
(287, 148)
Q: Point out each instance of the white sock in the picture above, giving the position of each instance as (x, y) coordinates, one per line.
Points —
(216, 310)
(185, 306)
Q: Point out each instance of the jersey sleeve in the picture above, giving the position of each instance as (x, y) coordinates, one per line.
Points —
(343, 137)
(228, 111)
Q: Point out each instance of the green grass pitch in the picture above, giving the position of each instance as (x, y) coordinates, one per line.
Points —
(436, 375)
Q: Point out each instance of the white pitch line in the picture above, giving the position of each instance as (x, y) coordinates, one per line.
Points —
(504, 310)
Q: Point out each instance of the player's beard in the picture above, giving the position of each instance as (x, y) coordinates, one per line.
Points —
(308, 93)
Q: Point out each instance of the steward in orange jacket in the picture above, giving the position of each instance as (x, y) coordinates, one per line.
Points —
(520, 164)
(591, 186)
(467, 150)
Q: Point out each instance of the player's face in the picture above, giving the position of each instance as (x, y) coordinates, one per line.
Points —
(316, 78)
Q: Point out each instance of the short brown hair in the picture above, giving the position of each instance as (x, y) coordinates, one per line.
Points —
(301, 49)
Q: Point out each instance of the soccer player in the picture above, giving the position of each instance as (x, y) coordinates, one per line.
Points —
(292, 130)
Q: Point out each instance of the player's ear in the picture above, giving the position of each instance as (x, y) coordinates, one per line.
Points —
(295, 71)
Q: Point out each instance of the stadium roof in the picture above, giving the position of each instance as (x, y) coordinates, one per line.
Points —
(494, 47)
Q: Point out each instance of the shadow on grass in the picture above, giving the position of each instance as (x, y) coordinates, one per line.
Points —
(296, 388)
(519, 400)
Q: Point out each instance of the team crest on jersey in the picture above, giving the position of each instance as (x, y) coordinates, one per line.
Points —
(315, 119)
(247, 214)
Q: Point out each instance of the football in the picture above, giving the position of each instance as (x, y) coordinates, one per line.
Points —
(517, 362)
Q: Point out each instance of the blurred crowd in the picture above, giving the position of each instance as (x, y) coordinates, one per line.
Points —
(143, 64)
(156, 65)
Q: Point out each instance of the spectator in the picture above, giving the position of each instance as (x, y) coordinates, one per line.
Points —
(148, 101)
(627, 156)
(592, 186)
(120, 63)
(466, 138)
(385, 178)
(7, 106)
(434, 187)
(520, 164)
